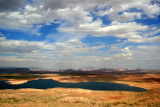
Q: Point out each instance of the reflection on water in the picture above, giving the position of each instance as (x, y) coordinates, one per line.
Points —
(49, 83)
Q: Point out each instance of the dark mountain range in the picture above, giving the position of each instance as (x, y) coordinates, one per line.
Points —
(14, 70)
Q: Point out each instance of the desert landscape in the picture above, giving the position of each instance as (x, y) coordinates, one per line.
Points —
(64, 97)
(79, 53)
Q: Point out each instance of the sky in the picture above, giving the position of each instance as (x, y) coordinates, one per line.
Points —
(80, 34)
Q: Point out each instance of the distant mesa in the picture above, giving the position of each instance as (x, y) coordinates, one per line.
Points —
(14, 70)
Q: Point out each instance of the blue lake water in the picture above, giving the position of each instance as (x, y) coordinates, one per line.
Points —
(49, 83)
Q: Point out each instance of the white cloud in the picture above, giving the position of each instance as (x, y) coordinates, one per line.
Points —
(39, 13)
(145, 39)
(151, 10)
(74, 12)
(62, 4)
(66, 55)
(38, 34)
(148, 54)
(123, 54)
(153, 32)
(127, 16)
(135, 57)
(120, 30)
(1, 34)
(76, 21)
(47, 55)
(72, 47)
(74, 16)
(21, 46)
(151, 36)
(24, 18)
(68, 48)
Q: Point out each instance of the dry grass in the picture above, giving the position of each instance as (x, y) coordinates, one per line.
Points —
(78, 97)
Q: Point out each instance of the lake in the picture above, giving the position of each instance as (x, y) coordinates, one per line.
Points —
(49, 83)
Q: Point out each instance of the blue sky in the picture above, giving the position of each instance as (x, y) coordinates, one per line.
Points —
(80, 34)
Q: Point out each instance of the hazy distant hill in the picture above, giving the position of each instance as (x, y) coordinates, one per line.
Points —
(14, 70)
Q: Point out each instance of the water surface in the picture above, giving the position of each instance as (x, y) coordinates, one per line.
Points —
(49, 83)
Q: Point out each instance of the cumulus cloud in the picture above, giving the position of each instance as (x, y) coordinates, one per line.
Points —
(74, 16)
(136, 57)
(61, 4)
(44, 12)
(15, 46)
(152, 36)
(76, 20)
(73, 12)
(67, 48)
(144, 6)
(47, 55)
(117, 29)
(127, 16)
(145, 39)
(74, 46)
(79, 20)
(145, 54)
